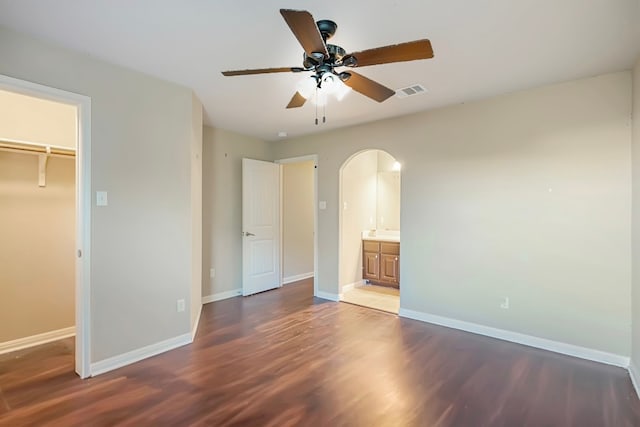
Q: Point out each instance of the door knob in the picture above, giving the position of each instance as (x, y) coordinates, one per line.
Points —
(246, 233)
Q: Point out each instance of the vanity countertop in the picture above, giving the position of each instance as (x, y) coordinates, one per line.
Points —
(382, 235)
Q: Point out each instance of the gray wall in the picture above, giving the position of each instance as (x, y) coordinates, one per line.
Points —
(222, 206)
(141, 242)
(525, 195)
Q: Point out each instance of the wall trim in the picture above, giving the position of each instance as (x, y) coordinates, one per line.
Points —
(221, 295)
(194, 330)
(38, 339)
(516, 337)
(634, 373)
(295, 278)
(136, 355)
(328, 296)
(350, 286)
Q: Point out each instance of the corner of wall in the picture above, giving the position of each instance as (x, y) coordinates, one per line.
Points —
(635, 226)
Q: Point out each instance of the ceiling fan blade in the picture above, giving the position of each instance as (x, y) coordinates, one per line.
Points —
(260, 71)
(306, 30)
(368, 87)
(410, 51)
(297, 101)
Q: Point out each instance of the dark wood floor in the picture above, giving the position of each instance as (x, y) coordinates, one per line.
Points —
(285, 358)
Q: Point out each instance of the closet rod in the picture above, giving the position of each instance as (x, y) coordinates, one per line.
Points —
(36, 149)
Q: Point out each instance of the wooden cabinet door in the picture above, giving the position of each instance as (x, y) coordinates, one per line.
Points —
(371, 266)
(389, 268)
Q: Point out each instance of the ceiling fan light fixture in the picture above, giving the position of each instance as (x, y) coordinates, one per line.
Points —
(342, 91)
(328, 81)
(307, 86)
(332, 84)
(344, 76)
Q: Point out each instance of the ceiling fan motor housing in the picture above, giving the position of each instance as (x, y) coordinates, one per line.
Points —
(327, 28)
(336, 53)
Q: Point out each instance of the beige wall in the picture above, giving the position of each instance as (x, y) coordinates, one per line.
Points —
(387, 194)
(18, 113)
(37, 229)
(297, 219)
(196, 210)
(635, 218)
(358, 205)
(141, 242)
(388, 201)
(222, 206)
(525, 195)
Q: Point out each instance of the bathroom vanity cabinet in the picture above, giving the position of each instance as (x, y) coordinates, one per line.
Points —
(381, 262)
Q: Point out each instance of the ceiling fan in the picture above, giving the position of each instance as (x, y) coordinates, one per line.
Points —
(322, 58)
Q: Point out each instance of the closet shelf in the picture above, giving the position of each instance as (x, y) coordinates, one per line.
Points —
(29, 147)
(42, 150)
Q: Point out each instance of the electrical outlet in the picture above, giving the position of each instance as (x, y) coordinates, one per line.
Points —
(505, 303)
(180, 305)
(212, 273)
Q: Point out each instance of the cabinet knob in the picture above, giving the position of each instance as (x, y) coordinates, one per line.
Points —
(376, 256)
(396, 258)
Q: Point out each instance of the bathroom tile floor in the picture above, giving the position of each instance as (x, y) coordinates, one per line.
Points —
(372, 296)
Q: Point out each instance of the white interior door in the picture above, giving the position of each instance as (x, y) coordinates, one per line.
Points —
(260, 226)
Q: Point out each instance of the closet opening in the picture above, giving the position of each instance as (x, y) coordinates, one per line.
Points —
(298, 220)
(44, 223)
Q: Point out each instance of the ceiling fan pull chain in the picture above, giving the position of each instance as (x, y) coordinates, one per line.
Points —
(316, 106)
(324, 112)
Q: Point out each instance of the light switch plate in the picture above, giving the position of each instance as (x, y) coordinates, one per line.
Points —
(101, 198)
(323, 204)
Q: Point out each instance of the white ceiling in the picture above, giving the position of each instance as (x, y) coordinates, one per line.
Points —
(482, 48)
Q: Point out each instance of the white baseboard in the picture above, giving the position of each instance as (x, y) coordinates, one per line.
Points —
(221, 295)
(328, 296)
(634, 373)
(34, 340)
(531, 341)
(194, 329)
(133, 356)
(351, 286)
(291, 279)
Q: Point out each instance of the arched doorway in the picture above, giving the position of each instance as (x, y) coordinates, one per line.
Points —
(369, 227)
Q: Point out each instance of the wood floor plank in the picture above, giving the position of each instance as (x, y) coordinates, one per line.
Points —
(285, 358)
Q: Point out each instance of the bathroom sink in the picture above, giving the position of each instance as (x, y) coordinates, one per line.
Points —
(381, 235)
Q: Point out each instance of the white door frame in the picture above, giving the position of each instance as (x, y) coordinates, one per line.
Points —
(314, 159)
(83, 208)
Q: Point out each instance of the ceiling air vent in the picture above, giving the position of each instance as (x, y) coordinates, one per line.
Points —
(410, 91)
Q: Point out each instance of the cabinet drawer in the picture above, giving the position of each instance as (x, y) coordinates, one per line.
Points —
(370, 246)
(390, 248)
